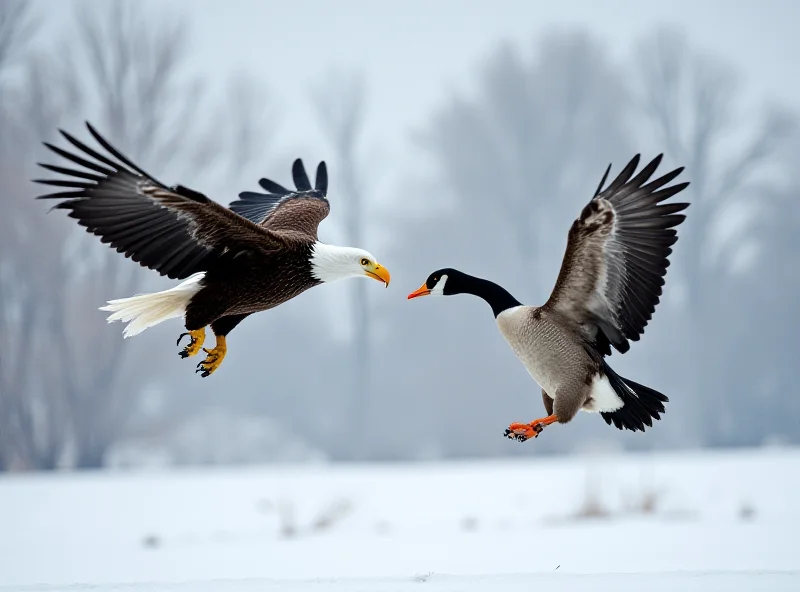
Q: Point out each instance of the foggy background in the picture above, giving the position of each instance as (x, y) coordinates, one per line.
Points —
(463, 134)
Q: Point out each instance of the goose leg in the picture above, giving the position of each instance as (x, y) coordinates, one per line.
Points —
(526, 431)
(548, 402)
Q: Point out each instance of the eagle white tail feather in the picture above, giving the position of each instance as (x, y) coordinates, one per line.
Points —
(145, 310)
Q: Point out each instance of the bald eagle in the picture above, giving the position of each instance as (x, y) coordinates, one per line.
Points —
(255, 255)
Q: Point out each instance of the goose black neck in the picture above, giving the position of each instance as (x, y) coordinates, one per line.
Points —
(495, 296)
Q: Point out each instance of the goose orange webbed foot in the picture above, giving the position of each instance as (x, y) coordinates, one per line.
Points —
(525, 431)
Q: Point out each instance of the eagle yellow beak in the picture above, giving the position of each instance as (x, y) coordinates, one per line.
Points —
(376, 272)
(421, 291)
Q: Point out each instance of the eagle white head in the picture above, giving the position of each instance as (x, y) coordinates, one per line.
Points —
(330, 263)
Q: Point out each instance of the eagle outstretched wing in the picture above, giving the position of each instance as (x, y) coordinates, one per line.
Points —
(175, 231)
(281, 210)
(617, 256)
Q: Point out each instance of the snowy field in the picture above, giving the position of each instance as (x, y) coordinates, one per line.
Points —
(683, 521)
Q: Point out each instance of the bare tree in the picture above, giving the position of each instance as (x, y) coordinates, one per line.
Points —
(538, 132)
(149, 104)
(30, 433)
(340, 106)
(75, 380)
(133, 77)
(763, 398)
(512, 161)
(691, 100)
(17, 26)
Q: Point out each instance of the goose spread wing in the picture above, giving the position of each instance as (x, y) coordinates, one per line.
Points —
(175, 231)
(281, 210)
(617, 256)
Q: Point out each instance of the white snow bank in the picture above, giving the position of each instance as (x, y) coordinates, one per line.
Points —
(654, 582)
(703, 521)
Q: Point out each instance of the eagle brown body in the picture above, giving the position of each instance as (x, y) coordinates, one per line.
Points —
(251, 257)
(607, 289)
(250, 282)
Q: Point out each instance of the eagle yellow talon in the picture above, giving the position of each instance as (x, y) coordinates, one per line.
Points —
(214, 357)
(198, 336)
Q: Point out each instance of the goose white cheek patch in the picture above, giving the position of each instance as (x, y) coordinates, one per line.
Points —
(438, 289)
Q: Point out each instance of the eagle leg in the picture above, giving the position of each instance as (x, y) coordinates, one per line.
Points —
(214, 357)
(198, 336)
(526, 431)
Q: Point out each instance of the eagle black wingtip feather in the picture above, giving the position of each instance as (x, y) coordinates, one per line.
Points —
(96, 135)
(321, 181)
(69, 137)
(271, 186)
(92, 206)
(300, 176)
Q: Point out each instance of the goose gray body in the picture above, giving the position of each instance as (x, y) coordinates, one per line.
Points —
(553, 355)
(610, 282)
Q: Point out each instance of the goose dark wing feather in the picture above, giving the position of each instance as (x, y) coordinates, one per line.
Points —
(617, 255)
(623, 177)
(174, 231)
(281, 211)
(641, 199)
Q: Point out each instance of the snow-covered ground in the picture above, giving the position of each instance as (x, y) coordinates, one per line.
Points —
(683, 521)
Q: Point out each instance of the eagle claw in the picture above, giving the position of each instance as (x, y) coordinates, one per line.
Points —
(213, 359)
(197, 337)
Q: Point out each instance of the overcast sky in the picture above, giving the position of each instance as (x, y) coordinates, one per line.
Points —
(414, 52)
(414, 55)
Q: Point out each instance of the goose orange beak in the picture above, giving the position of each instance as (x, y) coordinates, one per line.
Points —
(422, 291)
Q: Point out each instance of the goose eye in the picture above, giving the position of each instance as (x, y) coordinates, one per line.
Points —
(364, 261)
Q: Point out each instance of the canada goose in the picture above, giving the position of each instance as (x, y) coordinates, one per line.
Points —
(606, 292)
(234, 262)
